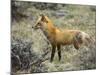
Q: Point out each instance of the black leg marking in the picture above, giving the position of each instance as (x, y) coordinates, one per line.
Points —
(59, 52)
(76, 45)
(53, 52)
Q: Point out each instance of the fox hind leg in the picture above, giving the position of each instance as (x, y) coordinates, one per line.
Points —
(76, 46)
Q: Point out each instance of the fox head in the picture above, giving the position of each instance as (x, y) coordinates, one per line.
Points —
(39, 23)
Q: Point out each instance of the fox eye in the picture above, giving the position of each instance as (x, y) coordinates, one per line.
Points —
(39, 23)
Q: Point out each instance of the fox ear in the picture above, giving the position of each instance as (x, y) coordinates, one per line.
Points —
(43, 18)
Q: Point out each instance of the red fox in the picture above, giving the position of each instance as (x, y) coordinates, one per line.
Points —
(58, 37)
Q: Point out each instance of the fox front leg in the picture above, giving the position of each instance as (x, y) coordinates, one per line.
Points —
(53, 52)
(59, 52)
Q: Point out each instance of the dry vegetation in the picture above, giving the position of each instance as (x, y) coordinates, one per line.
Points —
(30, 53)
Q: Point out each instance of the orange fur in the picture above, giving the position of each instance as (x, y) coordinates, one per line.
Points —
(59, 37)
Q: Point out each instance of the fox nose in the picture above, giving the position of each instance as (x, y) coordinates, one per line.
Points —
(33, 27)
